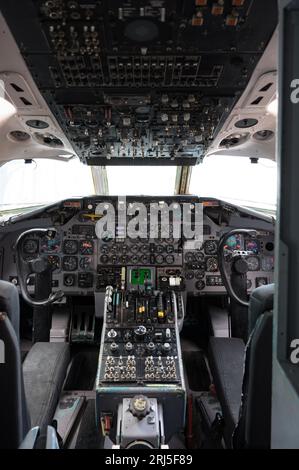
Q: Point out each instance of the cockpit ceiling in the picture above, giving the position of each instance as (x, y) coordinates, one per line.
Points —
(140, 82)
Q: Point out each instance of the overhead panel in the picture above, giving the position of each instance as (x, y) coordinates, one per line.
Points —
(141, 82)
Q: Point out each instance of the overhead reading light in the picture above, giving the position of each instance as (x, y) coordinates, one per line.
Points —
(7, 110)
(272, 107)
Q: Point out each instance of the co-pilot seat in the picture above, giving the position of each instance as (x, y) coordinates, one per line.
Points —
(243, 374)
(28, 393)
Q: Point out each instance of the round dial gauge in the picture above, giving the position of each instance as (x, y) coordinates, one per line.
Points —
(210, 247)
(189, 275)
(69, 280)
(234, 242)
(30, 246)
(169, 259)
(104, 259)
(169, 248)
(200, 285)
(159, 248)
(199, 256)
(54, 262)
(212, 264)
(267, 263)
(85, 262)
(104, 249)
(199, 274)
(189, 257)
(50, 245)
(135, 249)
(134, 259)
(86, 247)
(144, 259)
(252, 245)
(70, 247)
(69, 263)
(113, 249)
(159, 259)
(253, 263)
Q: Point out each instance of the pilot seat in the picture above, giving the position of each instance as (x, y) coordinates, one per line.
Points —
(242, 376)
(29, 393)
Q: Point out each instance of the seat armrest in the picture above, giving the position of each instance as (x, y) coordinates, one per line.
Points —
(34, 438)
(30, 439)
(45, 369)
(226, 360)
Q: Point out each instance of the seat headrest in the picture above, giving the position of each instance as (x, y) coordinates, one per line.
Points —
(9, 303)
(261, 300)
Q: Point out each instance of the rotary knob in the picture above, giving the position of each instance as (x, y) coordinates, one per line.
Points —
(128, 346)
(112, 334)
(166, 347)
(151, 346)
(139, 406)
(140, 331)
(114, 347)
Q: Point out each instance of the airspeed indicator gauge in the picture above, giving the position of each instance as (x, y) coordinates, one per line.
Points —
(210, 247)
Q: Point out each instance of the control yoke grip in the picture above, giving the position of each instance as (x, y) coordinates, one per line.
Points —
(37, 266)
(221, 262)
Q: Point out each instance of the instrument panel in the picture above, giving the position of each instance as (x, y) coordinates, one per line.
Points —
(82, 264)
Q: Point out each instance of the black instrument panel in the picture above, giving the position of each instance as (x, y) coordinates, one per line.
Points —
(147, 81)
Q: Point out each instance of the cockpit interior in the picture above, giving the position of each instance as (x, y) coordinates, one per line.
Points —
(138, 217)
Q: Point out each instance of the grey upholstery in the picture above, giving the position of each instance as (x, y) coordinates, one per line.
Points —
(261, 300)
(9, 303)
(254, 426)
(226, 359)
(44, 372)
(14, 417)
(243, 376)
